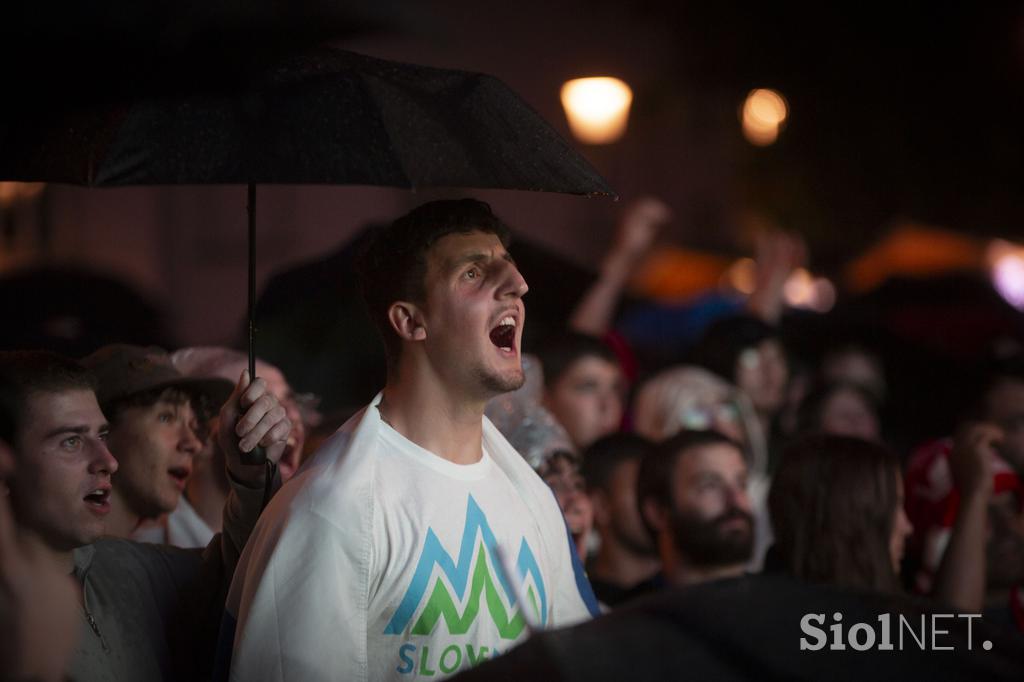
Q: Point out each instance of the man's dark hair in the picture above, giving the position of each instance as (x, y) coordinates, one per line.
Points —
(23, 373)
(560, 352)
(604, 456)
(393, 265)
(114, 409)
(994, 373)
(722, 343)
(654, 481)
(832, 502)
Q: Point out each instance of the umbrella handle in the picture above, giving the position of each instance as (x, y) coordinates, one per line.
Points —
(257, 455)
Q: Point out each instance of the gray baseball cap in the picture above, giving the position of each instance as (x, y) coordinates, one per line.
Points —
(122, 370)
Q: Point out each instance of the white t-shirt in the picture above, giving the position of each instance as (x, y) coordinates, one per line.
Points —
(382, 561)
(183, 527)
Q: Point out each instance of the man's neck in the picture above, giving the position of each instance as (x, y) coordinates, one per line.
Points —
(122, 521)
(617, 564)
(434, 418)
(63, 560)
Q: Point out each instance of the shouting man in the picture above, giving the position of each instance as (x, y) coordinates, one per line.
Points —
(416, 542)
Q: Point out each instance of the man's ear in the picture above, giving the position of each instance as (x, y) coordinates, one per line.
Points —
(407, 321)
(655, 515)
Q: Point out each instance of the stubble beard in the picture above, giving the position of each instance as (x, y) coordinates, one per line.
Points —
(495, 383)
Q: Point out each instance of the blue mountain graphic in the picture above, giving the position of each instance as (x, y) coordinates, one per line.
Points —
(458, 572)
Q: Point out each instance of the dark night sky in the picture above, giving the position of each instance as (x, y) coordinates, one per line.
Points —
(914, 111)
(910, 110)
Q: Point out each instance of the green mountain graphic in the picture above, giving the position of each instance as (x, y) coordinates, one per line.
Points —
(441, 605)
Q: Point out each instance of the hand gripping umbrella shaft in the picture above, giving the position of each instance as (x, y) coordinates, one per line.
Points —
(258, 454)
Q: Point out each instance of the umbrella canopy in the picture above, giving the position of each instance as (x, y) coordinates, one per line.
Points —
(327, 116)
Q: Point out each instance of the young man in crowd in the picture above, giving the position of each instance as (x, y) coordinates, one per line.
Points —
(584, 387)
(147, 612)
(968, 543)
(38, 609)
(626, 564)
(158, 420)
(198, 515)
(416, 542)
(693, 498)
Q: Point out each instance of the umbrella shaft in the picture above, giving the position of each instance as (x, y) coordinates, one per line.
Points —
(257, 455)
(252, 281)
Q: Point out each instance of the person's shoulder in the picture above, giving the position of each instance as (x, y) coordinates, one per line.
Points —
(120, 549)
(121, 562)
(530, 486)
(335, 491)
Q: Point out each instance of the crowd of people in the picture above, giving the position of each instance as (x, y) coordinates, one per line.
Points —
(487, 494)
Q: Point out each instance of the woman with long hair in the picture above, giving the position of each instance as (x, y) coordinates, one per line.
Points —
(836, 505)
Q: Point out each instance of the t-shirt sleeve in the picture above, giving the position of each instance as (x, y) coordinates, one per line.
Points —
(302, 609)
(574, 600)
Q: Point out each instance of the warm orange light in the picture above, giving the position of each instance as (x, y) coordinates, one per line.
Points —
(741, 276)
(763, 114)
(799, 288)
(12, 193)
(803, 290)
(597, 108)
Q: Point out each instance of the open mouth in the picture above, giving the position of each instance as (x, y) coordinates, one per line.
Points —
(99, 499)
(180, 476)
(504, 335)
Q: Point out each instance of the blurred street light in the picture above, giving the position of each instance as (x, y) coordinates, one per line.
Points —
(763, 114)
(1006, 266)
(597, 108)
(741, 276)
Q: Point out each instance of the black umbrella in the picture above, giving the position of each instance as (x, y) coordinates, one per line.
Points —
(327, 116)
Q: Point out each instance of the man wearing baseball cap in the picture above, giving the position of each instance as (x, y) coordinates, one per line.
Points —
(157, 425)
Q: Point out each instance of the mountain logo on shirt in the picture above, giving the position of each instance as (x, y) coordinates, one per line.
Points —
(473, 578)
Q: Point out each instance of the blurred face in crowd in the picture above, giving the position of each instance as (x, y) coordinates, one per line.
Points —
(587, 399)
(857, 367)
(563, 477)
(472, 319)
(901, 528)
(155, 446)
(846, 413)
(616, 512)
(711, 520)
(762, 373)
(1005, 408)
(61, 489)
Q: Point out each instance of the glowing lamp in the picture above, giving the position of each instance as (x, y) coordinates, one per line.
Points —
(597, 108)
(762, 115)
(1006, 264)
